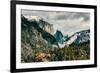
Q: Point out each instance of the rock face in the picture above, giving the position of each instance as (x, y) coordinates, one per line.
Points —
(41, 23)
(46, 26)
(59, 36)
(30, 37)
(79, 37)
(35, 36)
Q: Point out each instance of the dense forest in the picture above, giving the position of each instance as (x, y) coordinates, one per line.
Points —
(73, 52)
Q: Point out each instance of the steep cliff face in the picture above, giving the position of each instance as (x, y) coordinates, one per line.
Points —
(42, 24)
(59, 36)
(46, 26)
(37, 34)
(30, 36)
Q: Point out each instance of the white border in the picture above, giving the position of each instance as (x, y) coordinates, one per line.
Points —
(20, 65)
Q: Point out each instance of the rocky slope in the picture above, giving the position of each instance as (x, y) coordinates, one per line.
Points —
(41, 23)
(34, 37)
(59, 36)
(79, 37)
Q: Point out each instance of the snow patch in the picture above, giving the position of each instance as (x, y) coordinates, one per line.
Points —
(72, 39)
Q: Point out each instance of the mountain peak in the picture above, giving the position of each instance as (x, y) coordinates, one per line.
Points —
(79, 37)
(32, 18)
(40, 23)
(59, 36)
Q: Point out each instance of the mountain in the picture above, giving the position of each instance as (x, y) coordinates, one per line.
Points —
(41, 23)
(59, 36)
(34, 36)
(79, 37)
(65, 38)
(38, 33)
(39, 43)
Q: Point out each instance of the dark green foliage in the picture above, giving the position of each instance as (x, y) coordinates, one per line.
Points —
(73, 52)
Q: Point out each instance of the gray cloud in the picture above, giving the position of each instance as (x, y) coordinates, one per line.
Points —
(70, 15)
(67, 22)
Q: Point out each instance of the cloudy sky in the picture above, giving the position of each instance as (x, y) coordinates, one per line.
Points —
(67, 22)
